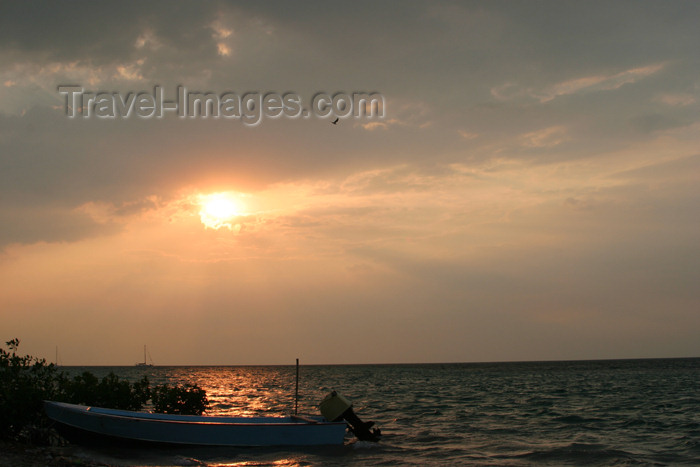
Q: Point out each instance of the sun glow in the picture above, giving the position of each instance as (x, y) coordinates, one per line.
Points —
(220, 210)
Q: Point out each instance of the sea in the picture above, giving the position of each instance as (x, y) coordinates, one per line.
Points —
(609, 412)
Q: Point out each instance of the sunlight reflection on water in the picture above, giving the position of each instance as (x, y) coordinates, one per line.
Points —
(542, 413)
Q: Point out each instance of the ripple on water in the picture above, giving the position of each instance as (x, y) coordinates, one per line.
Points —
(551, 413)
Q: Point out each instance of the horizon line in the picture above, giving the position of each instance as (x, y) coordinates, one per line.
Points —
(204, 365)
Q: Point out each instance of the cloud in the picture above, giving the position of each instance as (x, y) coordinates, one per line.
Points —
(508, 91)
(48, 33)
(544, 138)
(578, 204)
(672, 170)
(407, 113)
(677, 99)
(223, 35)
(30, 225)
(467, 135)
(597, 83)
(582, 85)
(371, 126)
(655, 122)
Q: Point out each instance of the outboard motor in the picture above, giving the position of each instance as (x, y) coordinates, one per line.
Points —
(335, 408)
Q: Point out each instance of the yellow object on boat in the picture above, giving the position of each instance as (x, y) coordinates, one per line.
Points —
(334, 405)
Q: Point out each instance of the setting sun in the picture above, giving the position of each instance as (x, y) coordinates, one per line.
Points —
(219, 210)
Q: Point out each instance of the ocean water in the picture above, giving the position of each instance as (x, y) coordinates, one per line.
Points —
(616, 412)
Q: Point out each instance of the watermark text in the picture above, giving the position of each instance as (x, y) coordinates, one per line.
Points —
(251, 108)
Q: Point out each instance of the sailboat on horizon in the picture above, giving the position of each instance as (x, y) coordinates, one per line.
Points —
(145, 362)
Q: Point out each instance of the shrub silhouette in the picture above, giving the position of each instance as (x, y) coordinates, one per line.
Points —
(26, 381)
(111, 392)
(185, 400)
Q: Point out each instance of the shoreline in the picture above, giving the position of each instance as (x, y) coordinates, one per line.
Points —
(18, 454)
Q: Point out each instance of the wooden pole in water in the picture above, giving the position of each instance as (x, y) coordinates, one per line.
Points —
(296, 392)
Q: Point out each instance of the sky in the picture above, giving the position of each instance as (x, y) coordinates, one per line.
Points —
(531, 190)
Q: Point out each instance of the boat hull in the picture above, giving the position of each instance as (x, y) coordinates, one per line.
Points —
(196, 431)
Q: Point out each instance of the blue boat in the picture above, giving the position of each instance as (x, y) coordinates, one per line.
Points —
(122, 425)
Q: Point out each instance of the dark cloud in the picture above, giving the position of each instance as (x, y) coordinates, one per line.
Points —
(655, 122)
(681, 169)
(99, 33)
(27, 225)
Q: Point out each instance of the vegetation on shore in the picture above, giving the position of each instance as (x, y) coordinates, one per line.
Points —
(26, 381)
